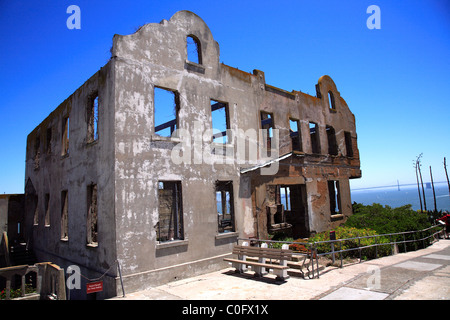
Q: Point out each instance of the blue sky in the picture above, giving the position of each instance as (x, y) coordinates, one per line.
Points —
(395, 79)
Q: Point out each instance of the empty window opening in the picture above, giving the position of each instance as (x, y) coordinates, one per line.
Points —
(332, 143)
(36, 210)
(193, 49)
(286, 209)
(285, 197)
(48, 145)
(37, 152)
(225, 206)
(267, 127)
(331, 103)
(220, 121)
(47, 210)
(294, 132)
(348, 144)
(170, 211)
(314, 136)
(166, 107)
(64, 215)
(92, 215)
(92, 110)
(65, 136)
(334, 193)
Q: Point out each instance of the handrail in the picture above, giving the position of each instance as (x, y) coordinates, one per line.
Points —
(313, 254)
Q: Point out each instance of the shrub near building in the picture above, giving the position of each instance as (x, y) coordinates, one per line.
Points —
(351, 234)
(386, 219)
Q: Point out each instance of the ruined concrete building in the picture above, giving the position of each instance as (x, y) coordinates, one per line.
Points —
(129, 168)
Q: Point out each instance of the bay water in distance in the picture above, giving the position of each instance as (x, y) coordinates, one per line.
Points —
(397, 196)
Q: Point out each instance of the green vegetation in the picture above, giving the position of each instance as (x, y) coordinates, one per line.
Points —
(351, 233)
(16, 293)
(369, 221)
(386, 219)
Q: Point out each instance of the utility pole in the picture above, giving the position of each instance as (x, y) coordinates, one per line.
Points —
(446, 174)
(421, 182)
(434, 193)
(418, 188)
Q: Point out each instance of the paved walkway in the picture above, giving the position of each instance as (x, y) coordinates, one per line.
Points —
(416, 275)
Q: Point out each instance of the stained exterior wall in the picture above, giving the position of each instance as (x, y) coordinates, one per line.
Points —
(85, 163)
(11, 222)
(130, 159)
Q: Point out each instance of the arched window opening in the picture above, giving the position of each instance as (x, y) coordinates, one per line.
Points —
(194, 52)
(331, 101)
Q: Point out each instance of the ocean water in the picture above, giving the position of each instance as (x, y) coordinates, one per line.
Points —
(407, 194)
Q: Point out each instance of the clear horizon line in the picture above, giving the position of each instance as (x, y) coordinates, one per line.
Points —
(394, 185)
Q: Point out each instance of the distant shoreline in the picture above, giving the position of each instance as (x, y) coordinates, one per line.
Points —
(396, 186)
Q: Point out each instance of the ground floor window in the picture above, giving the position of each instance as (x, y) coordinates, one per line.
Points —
(286, 207)
(335, 197)
(170, 211)
(64, 215)
(92, 215)
(225, 206)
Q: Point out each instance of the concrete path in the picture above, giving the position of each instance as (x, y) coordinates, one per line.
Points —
(416, 275)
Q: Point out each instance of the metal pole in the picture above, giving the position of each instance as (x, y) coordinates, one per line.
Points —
(359, 246)
(392, 245)
(317, 261)
(434, 193)
(446, 174)
(120, 276)
(415, 242)
(423, 190)
(177, 231)
(404, 242)
(423, 240)
(376, 248)
(418, 188)
(332, 252)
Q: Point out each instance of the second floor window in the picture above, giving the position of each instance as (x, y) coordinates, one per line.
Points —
(332, 143)
(65, 136)
(93, 113)
(294, 132)
(314, 136)
(220, 121)
(166, 107)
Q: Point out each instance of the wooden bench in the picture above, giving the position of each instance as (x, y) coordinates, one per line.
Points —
(261, 267)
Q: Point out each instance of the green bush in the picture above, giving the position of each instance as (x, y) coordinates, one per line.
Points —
(344, 232)
(386, 219)
(370, 220)
(16, 293)
(279, 236)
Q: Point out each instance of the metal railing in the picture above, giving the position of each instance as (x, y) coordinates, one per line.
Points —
(314, 250)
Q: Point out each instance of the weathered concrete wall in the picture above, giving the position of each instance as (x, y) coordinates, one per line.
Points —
(12, 216)
(3, 213)
(130, 158)
(86, 163)
(11, 223)
(155, 56)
